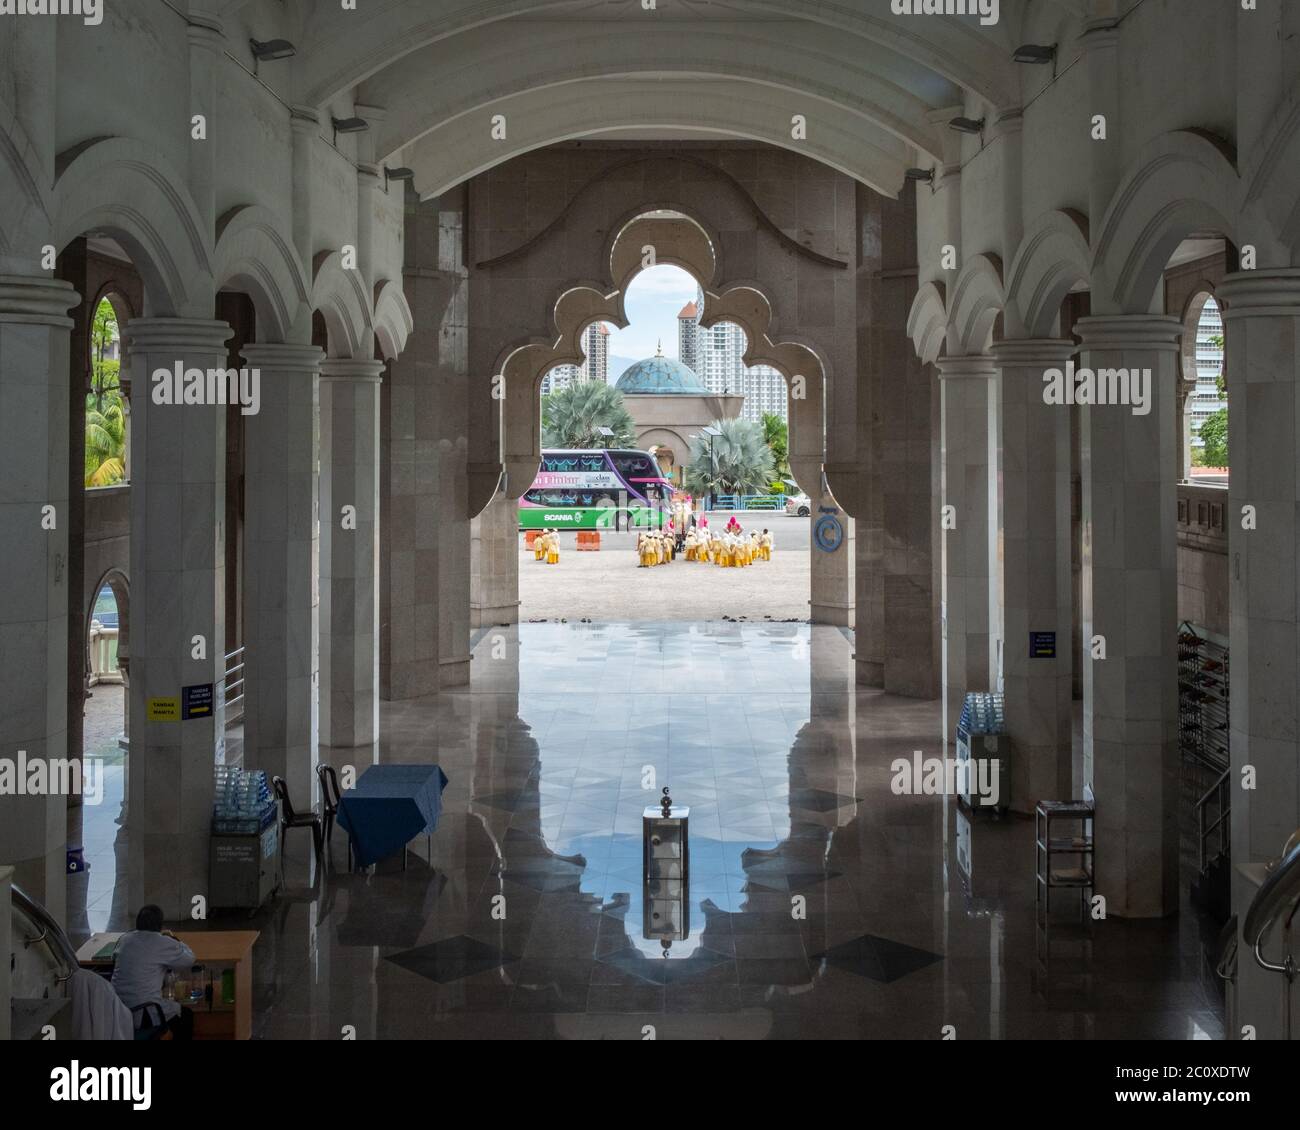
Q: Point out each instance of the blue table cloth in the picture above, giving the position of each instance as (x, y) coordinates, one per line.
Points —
(389, 807)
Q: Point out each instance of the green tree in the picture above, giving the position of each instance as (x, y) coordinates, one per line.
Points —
(573, 416)
(105, 459)
(738, 461)
(776, 434)
(105, 370)
(1214, 439)
(1213, 431)
(105, 439)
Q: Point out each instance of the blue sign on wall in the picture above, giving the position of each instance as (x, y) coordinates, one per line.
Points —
(1042, 645)
(828, 533)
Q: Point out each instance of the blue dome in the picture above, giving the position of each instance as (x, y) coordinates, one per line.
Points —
(660, 376)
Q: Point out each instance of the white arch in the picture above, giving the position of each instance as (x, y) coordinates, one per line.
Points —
(340, 296)
(1053, 257)
(339, 52)
(927, 322)
(252, 255)
(25, 216)
(465, 147)
(121, 186)
(393, 320)
(1181, 183)
(977, 300)
(454, 77)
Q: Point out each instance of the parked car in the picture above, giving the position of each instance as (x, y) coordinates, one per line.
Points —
(798, 506)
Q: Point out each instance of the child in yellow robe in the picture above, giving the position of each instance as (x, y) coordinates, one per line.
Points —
(766, 543)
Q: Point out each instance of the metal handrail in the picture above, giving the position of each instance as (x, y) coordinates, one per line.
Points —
(1221, 790)
(1278, 897)
(228, 684)
(52, 934)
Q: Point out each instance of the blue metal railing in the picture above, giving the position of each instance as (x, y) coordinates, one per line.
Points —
(747, 502)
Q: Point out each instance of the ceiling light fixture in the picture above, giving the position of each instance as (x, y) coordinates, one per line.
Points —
(400, 173)
(1034, 53)
(348, 125)
(270, 49)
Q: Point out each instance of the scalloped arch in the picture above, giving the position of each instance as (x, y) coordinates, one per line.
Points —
(121, 186)
(340, 296)
(977, 300)
(1053, 257)
(523, 364)
(927, 322)
(1183, 182)
(393, 319)
(252, 254)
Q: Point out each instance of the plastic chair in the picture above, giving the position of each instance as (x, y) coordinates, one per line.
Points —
(291, 819)
(331, 797)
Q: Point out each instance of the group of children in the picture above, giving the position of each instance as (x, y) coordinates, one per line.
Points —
(655, 547)
(728, 549)
(546, 547)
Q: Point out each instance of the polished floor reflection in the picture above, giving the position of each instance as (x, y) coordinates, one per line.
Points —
(820, 905)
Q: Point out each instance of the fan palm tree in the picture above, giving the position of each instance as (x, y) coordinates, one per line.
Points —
(776, 433)
(573, 417)
(105, 440)
(739, 462)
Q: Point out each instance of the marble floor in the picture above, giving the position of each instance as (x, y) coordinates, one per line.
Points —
(820, 905)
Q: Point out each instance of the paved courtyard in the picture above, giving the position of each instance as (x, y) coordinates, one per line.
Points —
(609, 585)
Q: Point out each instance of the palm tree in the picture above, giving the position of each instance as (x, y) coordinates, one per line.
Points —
(573, 417)
(736, 462)
(105, 439)
(776, 434)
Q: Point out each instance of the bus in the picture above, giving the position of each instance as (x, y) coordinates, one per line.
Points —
(596, 488)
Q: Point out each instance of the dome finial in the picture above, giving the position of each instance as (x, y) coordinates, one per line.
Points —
(659, 349)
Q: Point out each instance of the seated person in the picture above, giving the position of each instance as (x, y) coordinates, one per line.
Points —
(140, 963)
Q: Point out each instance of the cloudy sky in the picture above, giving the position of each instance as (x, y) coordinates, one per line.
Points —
(653, 301)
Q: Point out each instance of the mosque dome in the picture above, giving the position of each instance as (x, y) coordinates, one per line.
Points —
(660, 376)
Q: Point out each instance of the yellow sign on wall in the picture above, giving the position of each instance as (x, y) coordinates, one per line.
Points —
(163, 709)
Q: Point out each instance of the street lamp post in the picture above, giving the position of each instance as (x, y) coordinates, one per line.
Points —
(712, 433)
(605, 434)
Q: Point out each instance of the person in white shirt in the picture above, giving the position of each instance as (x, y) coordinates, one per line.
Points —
(141, 961)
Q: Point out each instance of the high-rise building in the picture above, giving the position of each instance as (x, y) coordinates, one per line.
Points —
(717, 354)
(1209, 364)
(595, 343)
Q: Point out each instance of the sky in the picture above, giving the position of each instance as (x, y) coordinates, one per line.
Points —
(654, 299)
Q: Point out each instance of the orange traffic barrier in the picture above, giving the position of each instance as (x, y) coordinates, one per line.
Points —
(589, 539)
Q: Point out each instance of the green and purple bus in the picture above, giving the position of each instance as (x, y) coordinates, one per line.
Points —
(596, 488)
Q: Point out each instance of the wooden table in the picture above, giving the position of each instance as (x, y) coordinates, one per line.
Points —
(217, 950)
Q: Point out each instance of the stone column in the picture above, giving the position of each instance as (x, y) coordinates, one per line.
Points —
(494, 564)
(1262, 329)
(281, 564)
(833, 560)
(424, 584)
(1130, 599)
(349, 551)
(1036, 570)
(178, 611)
(968, 472)
(34, 327)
